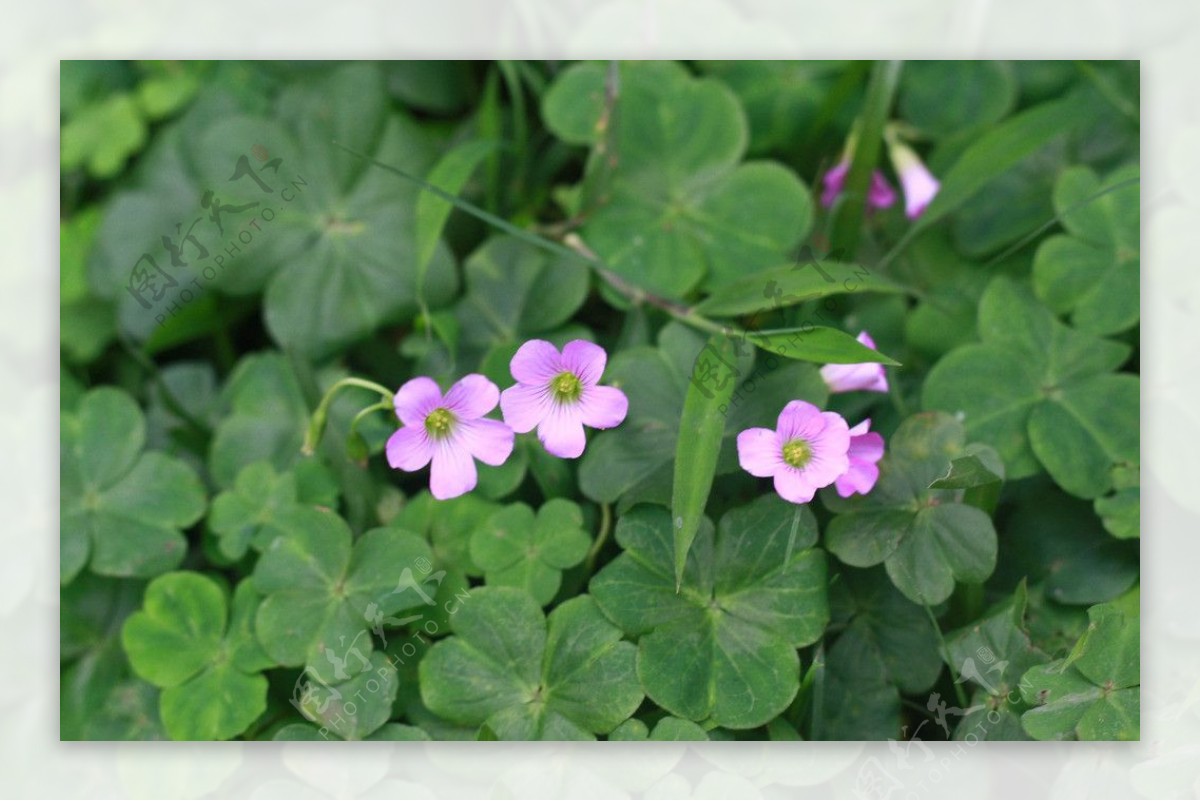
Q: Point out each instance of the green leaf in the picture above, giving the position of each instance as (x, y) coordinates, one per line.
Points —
(667, 729)
(450, 173)
(973, 470)
(1093, 272)
(945, 97)
(528, 677)
(993, 654)
(926, 538)
(353, 709)
(1093, 694)
(680, 206)
(1041, 393)
(239, 516)
(122, 509)
(516, 549)
(723, 649)
(1001, 148)
(103, 135)
(887, 647)
(182, 641)
(87, 323)
(324, 595)
(817, 343)
(781, 287)
(448, 526)
(701, 429)
(516, 291)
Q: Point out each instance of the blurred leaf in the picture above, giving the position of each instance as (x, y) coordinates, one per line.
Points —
(781, 287)
(103, 135)
(122, 509)
(945, 97)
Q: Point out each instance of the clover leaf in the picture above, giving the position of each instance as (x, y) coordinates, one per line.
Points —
(516, 291)
(1094, 693)
(448, 526)
(926, 538)
(122, 509)
(357, 708)
(675, 207)
(886, 647)
(239, 516)
(525, 676)
(723, 648)
(517, 549)
(993, 653)
(1041, 393)
(324, 594)
(667, 729)
(1093, 270)
(186, 640)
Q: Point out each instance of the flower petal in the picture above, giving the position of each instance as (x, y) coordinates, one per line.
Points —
(453, 471)
(585, 359)
(799, 419)
(409, 448)
(860, 478)
(472, 397)
(759, 452)
(536, 362)
(489, 441)
(833, 181)
(415, 399)
(603, 407)
(524, 406)
(881, 194)
(794, 485)
(866, 447)
(868, 376)
(829, 451)
(562, 432)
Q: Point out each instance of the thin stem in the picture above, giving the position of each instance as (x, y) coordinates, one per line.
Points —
(959, 692)
(382, 406)
(316, 426)
(601, 536)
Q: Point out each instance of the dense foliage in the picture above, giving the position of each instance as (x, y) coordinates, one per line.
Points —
(777, 526)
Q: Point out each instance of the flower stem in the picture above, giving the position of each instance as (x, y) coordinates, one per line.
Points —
(601, 537)
(959, 692)
(316, 426)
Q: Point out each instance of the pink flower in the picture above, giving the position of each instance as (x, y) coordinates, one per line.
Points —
(880, 196)
(868, 376)
(559, 393)
(918, 182)
(450, 431)
(806, 451)
(866, 449)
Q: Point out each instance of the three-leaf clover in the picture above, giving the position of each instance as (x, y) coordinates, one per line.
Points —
(926, 538)
(525, 676)
(993, 654)
(1041, 393)
(722, 648)
(673, 204)
(1093, 271)
(325, 594)
(1094, 693)
(516, 549)
(122, 509)
(204, 655)
(239, 515)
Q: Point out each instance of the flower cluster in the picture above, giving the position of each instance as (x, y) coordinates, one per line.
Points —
(557, 393)
(918, 182)
(810, 449)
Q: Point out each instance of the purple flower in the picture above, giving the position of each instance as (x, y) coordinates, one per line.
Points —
(866, 449)
(880, 196)
(918, 182)
(868, 376)
(806, 451)
(559, 393)
(450, 431)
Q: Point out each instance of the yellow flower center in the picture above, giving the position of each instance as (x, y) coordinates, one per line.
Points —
(797, 453)
(566, 387)
(438, 422)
